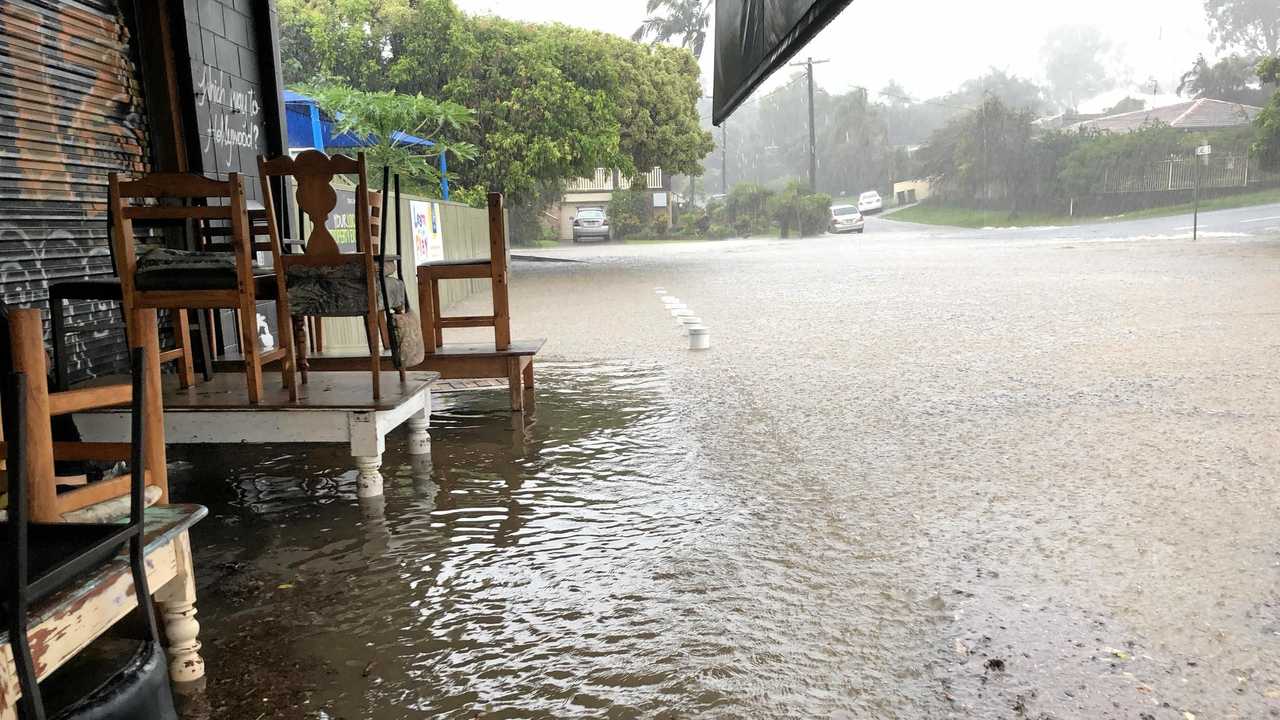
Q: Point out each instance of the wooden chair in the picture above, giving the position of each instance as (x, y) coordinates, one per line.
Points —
(42, 554)
(105, 288)
(495, 268)
(315, 328)
(324, 281)
(47, 503)
(177, 279)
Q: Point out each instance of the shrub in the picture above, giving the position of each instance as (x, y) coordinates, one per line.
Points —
(719, 232)
(660, 227)
(628, 211)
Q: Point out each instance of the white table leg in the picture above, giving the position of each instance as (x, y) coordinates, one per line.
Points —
(369, 476)
(367, 444)
(419, 439)
(178, 613)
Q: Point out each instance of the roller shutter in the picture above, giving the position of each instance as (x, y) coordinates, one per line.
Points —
(71, 112)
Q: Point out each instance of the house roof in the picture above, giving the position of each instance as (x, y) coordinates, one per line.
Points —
(1202, 114)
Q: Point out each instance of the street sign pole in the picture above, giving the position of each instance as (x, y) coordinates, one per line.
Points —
(1202, 155)
(1195, 212)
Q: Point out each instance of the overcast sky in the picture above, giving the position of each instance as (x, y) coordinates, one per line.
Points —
(931, 46)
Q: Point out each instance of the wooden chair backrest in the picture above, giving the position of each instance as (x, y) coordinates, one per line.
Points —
(375, 218)
(128, 201)
(26, 341)
(313, 171)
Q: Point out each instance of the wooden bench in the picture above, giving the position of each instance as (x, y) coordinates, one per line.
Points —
(464, 362)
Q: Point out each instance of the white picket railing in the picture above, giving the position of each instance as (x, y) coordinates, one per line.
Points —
(1180, 174)
(602, 181)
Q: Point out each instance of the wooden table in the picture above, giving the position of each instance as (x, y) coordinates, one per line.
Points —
(64, 624)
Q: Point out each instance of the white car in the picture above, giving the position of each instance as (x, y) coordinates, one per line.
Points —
(870, 202)
(845, 218)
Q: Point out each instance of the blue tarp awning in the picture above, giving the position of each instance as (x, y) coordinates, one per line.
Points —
(308, 128)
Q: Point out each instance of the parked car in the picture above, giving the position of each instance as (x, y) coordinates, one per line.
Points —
(591, 223)
(870, 202)
(845, 218)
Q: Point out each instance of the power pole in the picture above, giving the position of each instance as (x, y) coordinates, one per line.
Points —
(724, 155)
(813, 132)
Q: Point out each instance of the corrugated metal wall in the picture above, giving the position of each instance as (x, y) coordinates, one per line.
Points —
(70, 113)
(466, 235)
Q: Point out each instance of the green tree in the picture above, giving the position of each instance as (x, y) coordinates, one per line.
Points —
(384, 117)
(1073, 56)
(551, 102)
(984, 156)
(1232, 78)
(343, 39)
(1126, 104)
(629, 210)
(1251, 25)
(534, 123)
(687, 20)
(1268, 121)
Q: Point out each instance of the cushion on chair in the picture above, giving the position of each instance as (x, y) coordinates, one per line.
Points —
(161, 268)
(336, 290)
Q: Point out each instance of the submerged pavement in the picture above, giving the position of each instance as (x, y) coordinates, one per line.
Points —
(922, 473)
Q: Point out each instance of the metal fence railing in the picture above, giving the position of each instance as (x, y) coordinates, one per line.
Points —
(1179, 173)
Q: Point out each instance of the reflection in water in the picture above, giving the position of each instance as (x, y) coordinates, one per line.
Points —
(525, 563)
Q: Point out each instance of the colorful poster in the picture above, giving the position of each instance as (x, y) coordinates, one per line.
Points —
(428, 231)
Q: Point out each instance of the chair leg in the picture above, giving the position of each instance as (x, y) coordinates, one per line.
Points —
(246, 318)
(436, 330)
(317, 323)
(182, 336)
(299, 323)
(288, 366)
(375, 351)
(58, 330)
(501, 309)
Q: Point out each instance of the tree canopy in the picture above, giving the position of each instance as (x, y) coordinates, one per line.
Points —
(670, 19)
(379, 116)
(550, 102)
(1268, 121)
(1249, 25)
(1232, 78)
(1073, 56)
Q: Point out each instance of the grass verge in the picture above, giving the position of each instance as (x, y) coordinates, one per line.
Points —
(968, 218)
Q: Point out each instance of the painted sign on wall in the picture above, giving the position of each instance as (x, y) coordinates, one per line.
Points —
(428, 231)
(233, 117)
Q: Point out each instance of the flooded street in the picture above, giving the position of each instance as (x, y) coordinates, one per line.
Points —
(920, 474)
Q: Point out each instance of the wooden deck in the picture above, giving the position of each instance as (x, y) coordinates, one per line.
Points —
(333, 407)
(460, 361)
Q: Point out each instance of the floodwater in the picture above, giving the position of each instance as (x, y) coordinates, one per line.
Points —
(920, 475)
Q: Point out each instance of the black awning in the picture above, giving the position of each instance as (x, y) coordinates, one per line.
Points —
(755, 37)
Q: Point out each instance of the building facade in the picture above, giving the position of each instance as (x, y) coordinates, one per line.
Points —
(91, 87)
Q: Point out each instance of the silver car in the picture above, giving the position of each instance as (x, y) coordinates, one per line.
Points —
(591, 223)
(845, 218)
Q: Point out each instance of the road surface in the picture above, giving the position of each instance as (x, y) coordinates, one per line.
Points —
(922, 473)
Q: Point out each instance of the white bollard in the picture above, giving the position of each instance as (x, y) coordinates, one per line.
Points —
(660, 291)
(686, 321)
(699, 337)
(670, 300)
(679, 314)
